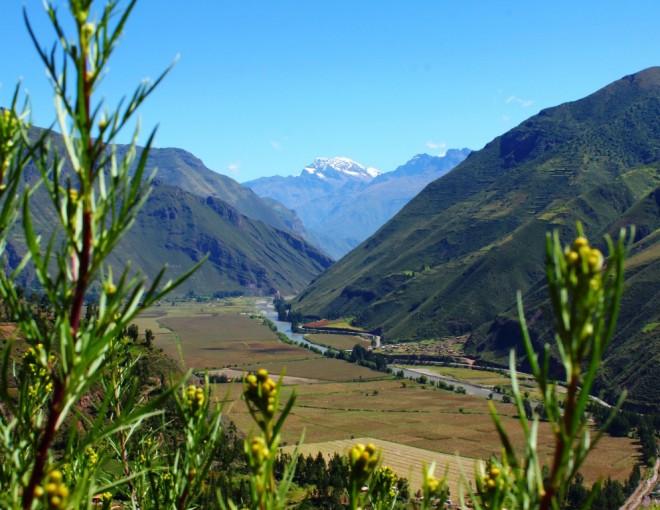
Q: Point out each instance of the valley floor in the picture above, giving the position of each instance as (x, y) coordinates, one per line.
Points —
(339, 403)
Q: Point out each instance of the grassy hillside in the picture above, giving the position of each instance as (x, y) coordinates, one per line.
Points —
(454, 257)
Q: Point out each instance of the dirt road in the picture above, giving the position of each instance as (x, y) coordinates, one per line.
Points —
(643, 489)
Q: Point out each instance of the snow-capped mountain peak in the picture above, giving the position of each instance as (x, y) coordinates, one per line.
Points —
(339, 168)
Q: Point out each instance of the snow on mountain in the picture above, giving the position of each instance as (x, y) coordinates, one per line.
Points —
(341, 202)
(338, 168)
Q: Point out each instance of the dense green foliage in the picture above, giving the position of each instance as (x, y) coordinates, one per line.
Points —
(454, 257)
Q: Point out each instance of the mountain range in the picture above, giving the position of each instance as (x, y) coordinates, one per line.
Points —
(192, 212)
(182, 169)
(450, 262)
(341, 202)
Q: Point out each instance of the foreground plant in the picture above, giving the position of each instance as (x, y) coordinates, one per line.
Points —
(262, 396)
(585, 294)
(95, 197)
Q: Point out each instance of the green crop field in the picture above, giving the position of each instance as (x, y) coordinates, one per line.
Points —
(334, 324)
(485, 378)
(471, 375)
(339, 342)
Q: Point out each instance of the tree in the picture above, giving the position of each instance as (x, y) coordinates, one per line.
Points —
(133, 332)
(148, 337)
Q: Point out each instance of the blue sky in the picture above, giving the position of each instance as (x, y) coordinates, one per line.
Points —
(264, 87)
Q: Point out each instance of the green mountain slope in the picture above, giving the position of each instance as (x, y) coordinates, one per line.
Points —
(177, 228)
(633, 358)
(454, 257)
(182, 169)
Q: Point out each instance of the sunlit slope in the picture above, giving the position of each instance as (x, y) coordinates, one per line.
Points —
(454, 257)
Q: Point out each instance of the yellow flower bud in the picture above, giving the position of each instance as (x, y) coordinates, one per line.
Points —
(580, 242)
(595, 260)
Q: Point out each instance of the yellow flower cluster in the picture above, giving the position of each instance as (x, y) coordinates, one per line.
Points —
(168, 480)
(8, 131)
(433, 485)
(492, 482)
(56, 492)
(92, 456)
(581, 259)
(195, 397)
(362, 460)
(38, 369)
(259, 452)
(32, 361)
(582, 276)
(492, 478)
(261, 391)
(385, 481)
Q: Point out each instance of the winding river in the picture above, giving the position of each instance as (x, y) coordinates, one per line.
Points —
(267, 309)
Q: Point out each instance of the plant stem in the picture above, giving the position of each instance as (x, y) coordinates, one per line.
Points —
(54, 412)
(560, 444)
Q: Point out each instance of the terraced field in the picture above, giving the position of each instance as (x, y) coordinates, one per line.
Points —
(338, 342)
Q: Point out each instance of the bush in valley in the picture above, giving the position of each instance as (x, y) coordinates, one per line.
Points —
(224, 294)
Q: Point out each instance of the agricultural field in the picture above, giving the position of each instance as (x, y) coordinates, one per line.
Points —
(333, 324)
(405, 461)
(339, 401)
(338, 342)
(416, 416)
(479, 377)
(469, 375)
(451, 346)
(319, 369)
(216, 334)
